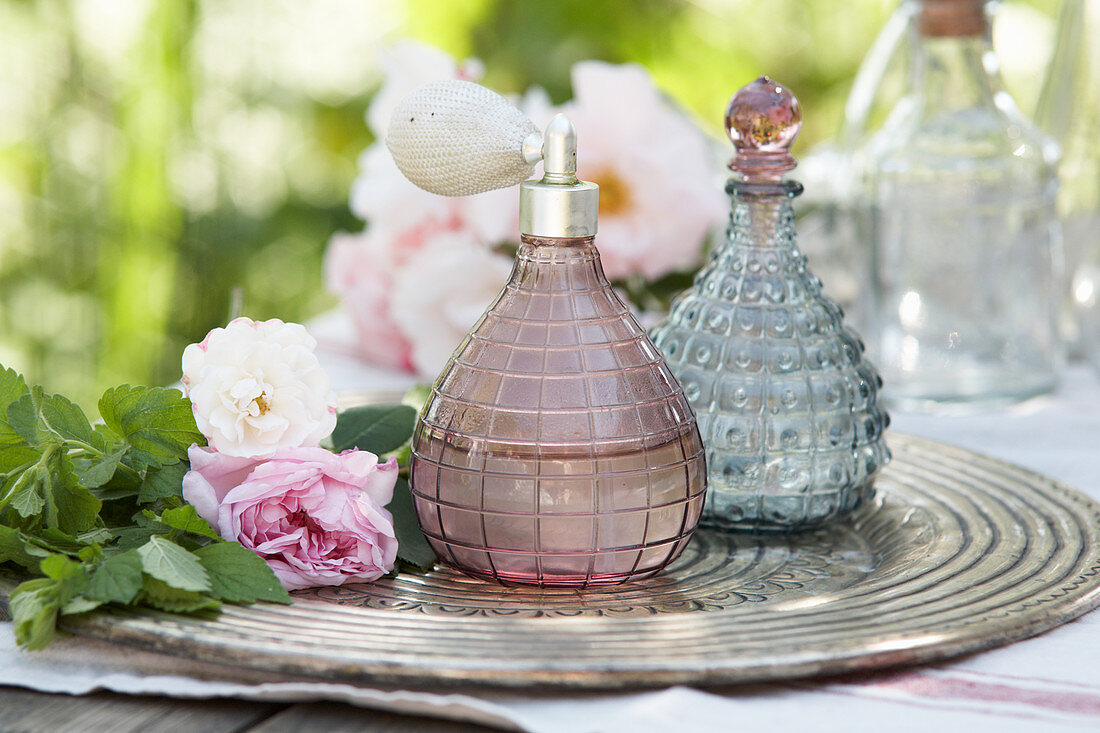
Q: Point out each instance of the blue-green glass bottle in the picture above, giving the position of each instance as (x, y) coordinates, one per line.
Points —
(786, 404)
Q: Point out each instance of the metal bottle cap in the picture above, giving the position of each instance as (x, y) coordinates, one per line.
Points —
(559, 205)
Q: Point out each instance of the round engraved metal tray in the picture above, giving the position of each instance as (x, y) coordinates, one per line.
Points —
(958, 553)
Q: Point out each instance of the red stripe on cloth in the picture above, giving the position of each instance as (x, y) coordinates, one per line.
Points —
(952, 688)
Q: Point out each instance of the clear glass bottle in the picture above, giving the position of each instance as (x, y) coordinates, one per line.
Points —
(786, 404)
(959, 212)
(826, 213)
(1069, 109)
(556, 448)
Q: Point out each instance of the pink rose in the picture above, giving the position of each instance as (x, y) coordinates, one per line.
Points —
(314, 516)
(362, 268)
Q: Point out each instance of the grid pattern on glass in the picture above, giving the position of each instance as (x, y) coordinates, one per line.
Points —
(786, 404)
(556, 447)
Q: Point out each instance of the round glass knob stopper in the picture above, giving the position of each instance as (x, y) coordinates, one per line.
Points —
(763, 119)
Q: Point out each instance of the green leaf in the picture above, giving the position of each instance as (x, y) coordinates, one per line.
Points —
(156, 422)
(114, 492)
(375, 428)
(402, 454)
(131, 538)
(77, 507)
(147, 518)
(66, 419)
(23, 418)
(124, 484)
(117, 579)
(417, 396)
(95, 536)
(412, 547)
(162, 483)
(80, 604)
(160, 595)
(12, 387)
(40, 417)
(92, 554)
(26, 493)
(108, 435)
(33, 606)
(187, 519)
(16, 547)
(167, 561)
(238, 575)
(100, 470)
(14, 451)
(58, 541)
(60, 567)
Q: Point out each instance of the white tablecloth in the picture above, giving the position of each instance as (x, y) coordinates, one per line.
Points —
(1052, 681)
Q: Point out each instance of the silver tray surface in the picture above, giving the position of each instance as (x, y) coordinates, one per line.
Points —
(958, 553)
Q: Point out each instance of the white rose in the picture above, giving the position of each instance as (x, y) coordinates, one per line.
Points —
(441, 291)
(256, 386)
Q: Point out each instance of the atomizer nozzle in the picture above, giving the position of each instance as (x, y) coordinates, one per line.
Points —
(560, 205)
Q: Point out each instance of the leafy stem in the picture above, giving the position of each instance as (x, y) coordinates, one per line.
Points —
(88, 448)
(18, 470)
(55, 512)
(30, 470)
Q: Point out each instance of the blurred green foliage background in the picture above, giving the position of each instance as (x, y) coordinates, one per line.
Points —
(158, 155)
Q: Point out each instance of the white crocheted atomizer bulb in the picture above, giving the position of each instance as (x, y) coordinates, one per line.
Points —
(556, 447)
(457, 138)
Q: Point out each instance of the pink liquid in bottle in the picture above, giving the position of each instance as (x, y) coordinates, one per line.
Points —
(556, 448)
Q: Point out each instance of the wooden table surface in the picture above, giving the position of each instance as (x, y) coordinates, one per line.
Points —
(26, 711)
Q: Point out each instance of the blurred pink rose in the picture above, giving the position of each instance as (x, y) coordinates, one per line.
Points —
(441, 291)
(411, 297)
(359, 270)
(661, 191)
(315, 517)
(364, 268)
(384, 198)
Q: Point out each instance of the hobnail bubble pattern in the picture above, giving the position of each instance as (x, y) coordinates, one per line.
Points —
(556, 447)
(786, 404)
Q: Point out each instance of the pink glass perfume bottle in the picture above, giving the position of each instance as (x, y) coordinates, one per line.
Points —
(556, 447)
